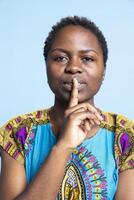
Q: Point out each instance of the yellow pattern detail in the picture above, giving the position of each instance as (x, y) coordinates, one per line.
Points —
(114, 122)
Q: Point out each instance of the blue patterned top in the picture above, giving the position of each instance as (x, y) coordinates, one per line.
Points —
(91, 171)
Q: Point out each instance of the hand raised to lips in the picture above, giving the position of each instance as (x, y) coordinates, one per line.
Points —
(74, 93)
(69, 84)
(78, 120)
(88, 108)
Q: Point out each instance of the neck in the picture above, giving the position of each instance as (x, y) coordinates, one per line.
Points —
(59, 108)
(57, 115)
(57, 112)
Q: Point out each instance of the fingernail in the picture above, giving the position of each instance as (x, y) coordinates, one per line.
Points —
(98, 122)
(99, 116)
(75, 82)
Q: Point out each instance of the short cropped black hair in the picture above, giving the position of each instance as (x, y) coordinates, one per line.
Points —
(79, 21)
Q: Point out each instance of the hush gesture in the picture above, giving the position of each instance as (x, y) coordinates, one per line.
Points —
(80, 122)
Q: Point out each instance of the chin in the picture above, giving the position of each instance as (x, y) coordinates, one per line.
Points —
(89, 99)
(64, 98)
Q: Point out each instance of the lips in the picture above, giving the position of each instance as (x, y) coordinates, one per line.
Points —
(68, 85)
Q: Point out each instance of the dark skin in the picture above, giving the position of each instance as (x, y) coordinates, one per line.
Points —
(79, 56)
(74, 76)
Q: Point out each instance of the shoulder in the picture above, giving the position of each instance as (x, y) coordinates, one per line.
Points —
(14, 133)
(118, 122)
(124, 139)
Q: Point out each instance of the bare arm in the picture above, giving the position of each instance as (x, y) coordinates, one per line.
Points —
(44, 186)
(125, 190)
(46, 183)
(12, 178)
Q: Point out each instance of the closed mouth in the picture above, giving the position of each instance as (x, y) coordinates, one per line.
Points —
(69, 84)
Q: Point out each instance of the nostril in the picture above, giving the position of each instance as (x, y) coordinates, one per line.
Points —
(73, 69)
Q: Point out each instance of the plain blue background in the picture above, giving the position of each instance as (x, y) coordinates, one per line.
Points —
(24, 25)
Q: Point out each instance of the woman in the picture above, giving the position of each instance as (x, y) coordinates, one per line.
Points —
(73, 150)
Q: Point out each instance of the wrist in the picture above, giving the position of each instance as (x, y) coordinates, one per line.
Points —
(64, 148)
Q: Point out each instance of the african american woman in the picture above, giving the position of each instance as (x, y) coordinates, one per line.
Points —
(73, 150)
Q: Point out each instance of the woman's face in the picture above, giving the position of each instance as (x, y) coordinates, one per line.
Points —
(75, 52)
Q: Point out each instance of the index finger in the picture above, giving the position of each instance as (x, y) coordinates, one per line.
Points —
(74, 94)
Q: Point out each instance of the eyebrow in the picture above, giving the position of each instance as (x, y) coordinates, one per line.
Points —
(81, 51)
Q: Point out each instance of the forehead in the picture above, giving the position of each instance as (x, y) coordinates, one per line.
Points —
(77, 36)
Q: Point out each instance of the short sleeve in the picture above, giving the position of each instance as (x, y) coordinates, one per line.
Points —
(12, 138)
(14, 134)
(124, 143)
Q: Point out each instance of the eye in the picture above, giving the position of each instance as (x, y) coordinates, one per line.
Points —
(62, 59)
(87, 59)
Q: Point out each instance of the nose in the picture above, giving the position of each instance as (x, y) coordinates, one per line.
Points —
(74, 66)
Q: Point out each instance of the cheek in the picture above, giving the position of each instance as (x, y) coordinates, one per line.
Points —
(94, 80)
(95, 76)
(54, 70)
(53, 77)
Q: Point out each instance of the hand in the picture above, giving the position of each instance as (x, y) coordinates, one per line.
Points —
(78, 120)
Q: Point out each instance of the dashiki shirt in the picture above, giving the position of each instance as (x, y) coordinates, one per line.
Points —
(92, 169)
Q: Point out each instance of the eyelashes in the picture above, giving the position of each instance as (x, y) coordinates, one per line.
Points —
(61, 59)
(87, 59)
(65, 59)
